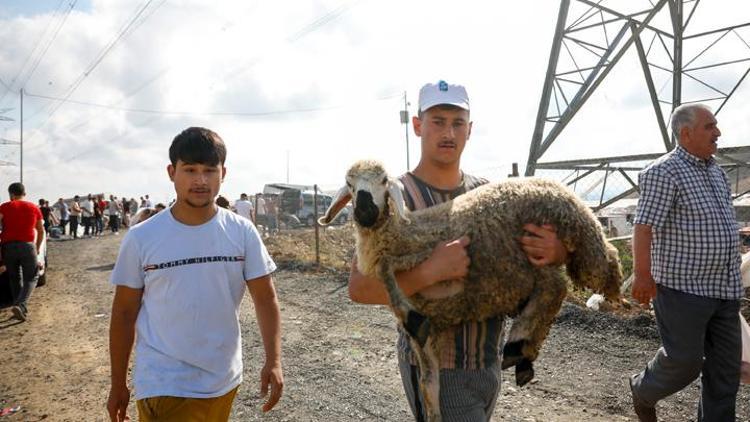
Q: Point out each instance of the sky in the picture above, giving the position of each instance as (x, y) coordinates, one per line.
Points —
(299, 90)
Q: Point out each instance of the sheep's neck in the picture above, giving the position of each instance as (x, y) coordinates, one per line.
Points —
(374, 243)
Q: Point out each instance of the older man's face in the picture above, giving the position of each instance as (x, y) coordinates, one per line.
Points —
(701, 139)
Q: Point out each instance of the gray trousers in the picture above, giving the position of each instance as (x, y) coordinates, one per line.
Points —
(20, 260)
(700, 336)
(465, 395)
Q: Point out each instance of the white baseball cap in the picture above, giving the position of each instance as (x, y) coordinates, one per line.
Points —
(443, 93)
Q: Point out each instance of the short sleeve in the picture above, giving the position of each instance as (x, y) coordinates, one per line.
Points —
(257, 260)
(128, 269)
(658, 192)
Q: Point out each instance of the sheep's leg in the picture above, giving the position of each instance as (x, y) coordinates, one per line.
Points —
(429, 377)
(415, 324)
(531, 327)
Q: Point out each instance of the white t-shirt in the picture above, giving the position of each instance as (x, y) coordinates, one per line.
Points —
(87, 207)
(261, 206)
(193, 279)
(244, 208)
(113, 207)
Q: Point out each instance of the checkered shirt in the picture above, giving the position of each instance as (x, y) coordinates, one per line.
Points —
(695, 246)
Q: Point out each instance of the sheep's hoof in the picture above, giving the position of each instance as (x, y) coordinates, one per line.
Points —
(524, 372)
(418, 327)
(512, 354)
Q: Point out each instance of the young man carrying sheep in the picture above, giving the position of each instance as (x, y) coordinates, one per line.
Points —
(180, 277)
(469, 358)
(686, 257)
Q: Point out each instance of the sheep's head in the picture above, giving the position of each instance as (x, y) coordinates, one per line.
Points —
(368, 187)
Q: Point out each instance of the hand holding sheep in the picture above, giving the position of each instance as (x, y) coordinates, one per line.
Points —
(542, 245)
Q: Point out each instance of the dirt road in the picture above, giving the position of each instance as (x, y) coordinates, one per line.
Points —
(339, 358)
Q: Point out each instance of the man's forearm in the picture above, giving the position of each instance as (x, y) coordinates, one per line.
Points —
(642, 236)
(269, 322)
(372, 291)
(121, 338)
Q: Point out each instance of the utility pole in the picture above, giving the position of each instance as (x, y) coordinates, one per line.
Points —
(21, 135)
(287, 166)
(405, 120)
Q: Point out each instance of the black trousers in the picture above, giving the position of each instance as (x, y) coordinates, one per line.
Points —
(20, 262)
(74, 226)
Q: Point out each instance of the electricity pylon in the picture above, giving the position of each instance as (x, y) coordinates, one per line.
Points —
(592, 37)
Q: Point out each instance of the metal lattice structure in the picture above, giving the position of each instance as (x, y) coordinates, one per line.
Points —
(591, 37)
(3, 141)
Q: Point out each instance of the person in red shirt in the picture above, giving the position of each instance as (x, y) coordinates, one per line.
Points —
(20, 240)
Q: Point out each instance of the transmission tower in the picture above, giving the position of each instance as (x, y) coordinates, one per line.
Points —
(592, 37)
(3, 141)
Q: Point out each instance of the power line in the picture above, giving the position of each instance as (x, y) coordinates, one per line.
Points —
(297, 35)
(103, 53)
(322, 21)
(37, 59)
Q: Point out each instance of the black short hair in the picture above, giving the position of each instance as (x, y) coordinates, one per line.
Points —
(198, 145)
(16, 189)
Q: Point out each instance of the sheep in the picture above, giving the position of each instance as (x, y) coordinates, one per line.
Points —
(500, 281)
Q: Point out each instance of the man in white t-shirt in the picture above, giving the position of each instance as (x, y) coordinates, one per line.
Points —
(87, 215)
(180, 278)
(244, 207)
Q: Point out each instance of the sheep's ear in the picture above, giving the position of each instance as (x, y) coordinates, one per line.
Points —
(339, 202)
(394, 191)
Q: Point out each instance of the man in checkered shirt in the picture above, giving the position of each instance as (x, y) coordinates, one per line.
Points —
(686, 258)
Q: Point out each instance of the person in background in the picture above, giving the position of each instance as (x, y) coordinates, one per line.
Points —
(244, 207)
(99, 205)
(87, 215)
(75, 216)
(133, 206)
(47, 214)
(125, 206)
(20, 242)
(272, 214)
(115, 210)
(260, 210)
(64, 211)
(222, 202)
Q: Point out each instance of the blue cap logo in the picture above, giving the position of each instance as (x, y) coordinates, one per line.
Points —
(443, 86)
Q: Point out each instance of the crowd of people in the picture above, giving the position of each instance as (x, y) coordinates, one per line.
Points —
(88, 216)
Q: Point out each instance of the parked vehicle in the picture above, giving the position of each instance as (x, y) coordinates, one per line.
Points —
(297, 203)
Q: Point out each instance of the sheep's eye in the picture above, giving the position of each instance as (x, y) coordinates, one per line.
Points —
(385, 180)
(349, 185)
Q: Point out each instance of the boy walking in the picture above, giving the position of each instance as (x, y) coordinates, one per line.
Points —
(180, 277)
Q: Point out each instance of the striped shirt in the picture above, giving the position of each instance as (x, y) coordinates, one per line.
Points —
(472, 345)
(695, 247)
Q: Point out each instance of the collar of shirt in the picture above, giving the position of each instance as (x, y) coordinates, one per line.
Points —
(692, 159)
